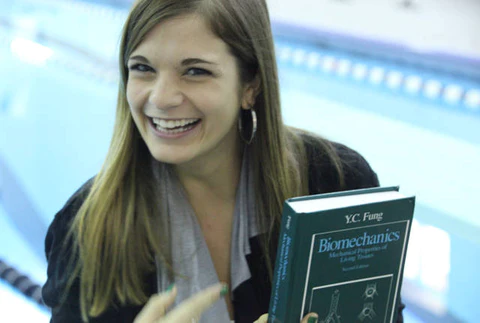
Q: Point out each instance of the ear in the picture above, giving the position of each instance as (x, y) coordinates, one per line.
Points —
(250, 92)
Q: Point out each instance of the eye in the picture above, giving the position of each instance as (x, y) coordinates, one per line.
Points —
(140, 68)
(195, 71)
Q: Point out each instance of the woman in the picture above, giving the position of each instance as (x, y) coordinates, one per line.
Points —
(185, 196)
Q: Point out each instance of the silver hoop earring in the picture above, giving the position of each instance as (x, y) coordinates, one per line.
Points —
(248, 128)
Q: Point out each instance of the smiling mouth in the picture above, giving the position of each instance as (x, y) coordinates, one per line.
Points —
(174, 126)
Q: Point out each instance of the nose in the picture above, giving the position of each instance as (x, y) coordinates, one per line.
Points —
(166, 93)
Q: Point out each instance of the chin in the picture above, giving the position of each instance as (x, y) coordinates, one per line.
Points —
(169, 158)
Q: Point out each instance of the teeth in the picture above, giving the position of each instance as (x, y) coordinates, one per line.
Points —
(169, 124)
(174, 126)
(171, 131)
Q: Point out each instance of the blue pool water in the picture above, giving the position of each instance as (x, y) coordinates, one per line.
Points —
(418, 128)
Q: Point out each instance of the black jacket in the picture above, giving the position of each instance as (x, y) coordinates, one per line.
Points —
(251, 299)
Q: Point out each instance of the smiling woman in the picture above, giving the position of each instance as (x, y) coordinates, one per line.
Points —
(191, 192)
(184, 91)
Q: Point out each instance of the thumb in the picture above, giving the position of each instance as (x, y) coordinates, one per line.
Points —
(262, 319)
(310, 318)
(156, 307)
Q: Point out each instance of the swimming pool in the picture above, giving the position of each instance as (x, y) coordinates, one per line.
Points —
(418, 127)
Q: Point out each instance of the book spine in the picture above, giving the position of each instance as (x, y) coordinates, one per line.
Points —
(284, 263)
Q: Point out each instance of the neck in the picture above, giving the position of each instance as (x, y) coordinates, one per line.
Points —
(217, 177)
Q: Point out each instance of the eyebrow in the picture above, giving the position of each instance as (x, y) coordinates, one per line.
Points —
(185, 62)
(191, 61)
(139, 58)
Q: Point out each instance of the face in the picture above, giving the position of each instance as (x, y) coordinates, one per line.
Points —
(185, 93)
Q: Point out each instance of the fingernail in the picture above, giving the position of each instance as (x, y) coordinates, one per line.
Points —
(169, 288)
(312, 319)
(224, 290)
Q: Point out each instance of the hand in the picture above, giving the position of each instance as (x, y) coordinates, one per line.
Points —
(190, 310)
(309, 318)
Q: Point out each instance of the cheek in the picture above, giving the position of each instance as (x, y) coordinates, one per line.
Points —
(226, 99)
(129, 96)
(223, 107)
(134, 103)
(134, 96)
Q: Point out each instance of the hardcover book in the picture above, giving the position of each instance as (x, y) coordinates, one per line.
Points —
(341, 255)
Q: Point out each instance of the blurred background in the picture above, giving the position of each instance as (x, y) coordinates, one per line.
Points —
(397, 80)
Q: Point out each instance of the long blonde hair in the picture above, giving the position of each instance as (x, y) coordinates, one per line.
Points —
(118, 231)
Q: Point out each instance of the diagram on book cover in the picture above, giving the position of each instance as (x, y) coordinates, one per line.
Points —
(368, 311)
(333, 316)
(361, 301)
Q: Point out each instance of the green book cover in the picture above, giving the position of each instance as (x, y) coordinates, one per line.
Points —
(341, 255)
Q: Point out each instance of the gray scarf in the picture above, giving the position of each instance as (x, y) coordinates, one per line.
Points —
(192, 262)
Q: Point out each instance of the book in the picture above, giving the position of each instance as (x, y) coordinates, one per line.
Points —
(341, 255)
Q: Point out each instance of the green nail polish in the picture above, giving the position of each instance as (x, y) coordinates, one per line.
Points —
(169, 288)
(312, 319)
(224, 290)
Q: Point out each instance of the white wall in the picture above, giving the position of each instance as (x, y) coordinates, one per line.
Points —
(451, 26)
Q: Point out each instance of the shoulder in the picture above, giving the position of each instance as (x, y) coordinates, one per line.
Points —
(64, 300)
(62, 219)
(76, 200)
(331, 163)
(58, 246)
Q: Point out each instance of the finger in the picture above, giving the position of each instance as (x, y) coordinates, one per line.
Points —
(310, 318)
(193, 307)
(262, 319)
(156, 307)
